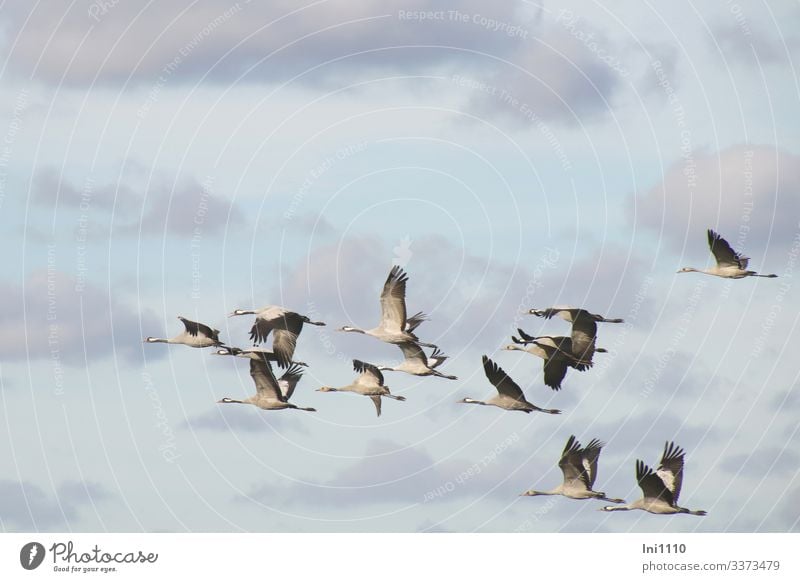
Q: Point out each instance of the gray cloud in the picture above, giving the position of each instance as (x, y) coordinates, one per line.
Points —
(245, 418)
(220, 39)
(54, 316)
(776, 461)
(392, 473)
(749, 194)
(554, 76)
(26, 507)
(185, 210)
(748, 43)
(50, 189)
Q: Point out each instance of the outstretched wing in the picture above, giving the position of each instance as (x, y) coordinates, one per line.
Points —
(412, 351)
(724, 253)
(193, 328)
(376, 400)
(436, 358)
(651, 484)
(370, 374)
(415, 320)
(591, 453)
(500, 380)
(265, 381)
(284, 343)
(670, 471)
(555, 369)
(393, 301)
(289, 380)
(584, 333)
(571, 464)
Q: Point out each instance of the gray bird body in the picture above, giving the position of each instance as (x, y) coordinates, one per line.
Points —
(579, 466)
(271, 393)
(660, 488)
(284, 325)
(583, 336)
(195, 335)
(417, 363)
(556, 351)
(729, 263)
(395, 326)
(509, 394)
(369, 383)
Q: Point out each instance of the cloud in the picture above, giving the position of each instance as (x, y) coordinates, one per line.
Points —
(774, 461)
(26, 507)
(245, 419)
(748, 43)
(185, 210)
(114, 42)
(749, 194)
(51, 189)
(53, 315)
(555, 76)
(390, 472)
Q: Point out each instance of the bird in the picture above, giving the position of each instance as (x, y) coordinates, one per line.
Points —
(661, 488)
(417, 363)
(368, 383)
(579, 466)
(254, 353)
(554, 350)
(584, 328)
(730, 264)
(196, 335)
(394, 327)
(285, 326)
(271, 393)
(509, 395)
(564, 345)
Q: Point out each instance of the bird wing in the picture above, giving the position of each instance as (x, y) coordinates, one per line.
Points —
(274, 318)
(555, 369)
(500, 380)
(284, 343)
(289, 380)
(370, 374)
(193, 328)
(591, 453)
(571, 463)
(412, 351)
(724, 253)
(584, 332)
(415, 320)
(436, 358)
(266, 384)
(393, 301)
(376, 400)
(261, 329)
(670, 471)
(652, 486)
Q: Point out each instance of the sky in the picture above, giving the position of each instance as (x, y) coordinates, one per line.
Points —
(202, 156)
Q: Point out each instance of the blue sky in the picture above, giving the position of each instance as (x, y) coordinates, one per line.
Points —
(192, 159)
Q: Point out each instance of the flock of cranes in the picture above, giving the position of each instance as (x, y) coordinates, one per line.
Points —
(660, 488)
